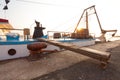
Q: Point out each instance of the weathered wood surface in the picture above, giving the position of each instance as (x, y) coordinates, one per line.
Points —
(99, 55)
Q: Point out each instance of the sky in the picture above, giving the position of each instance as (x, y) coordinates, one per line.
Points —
(59, 15)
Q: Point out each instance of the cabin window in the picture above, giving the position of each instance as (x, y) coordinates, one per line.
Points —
(11, 52)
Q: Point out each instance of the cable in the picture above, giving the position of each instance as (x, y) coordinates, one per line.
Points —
(37, 2)
(51, 4)
(34, 2)
(71, 20)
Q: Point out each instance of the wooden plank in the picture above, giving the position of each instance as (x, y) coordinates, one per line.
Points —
(99, 55)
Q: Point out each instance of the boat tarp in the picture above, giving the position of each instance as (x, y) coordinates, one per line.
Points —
(5, 26)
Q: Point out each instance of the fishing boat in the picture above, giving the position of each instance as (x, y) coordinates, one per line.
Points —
(13, 45)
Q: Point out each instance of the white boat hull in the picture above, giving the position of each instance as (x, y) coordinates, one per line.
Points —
(79, 43)
(16, 50)
(21, 51)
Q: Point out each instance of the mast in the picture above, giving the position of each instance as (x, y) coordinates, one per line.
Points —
(85, 10)
(87, 22)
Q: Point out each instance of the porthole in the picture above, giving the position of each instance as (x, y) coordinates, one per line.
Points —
(11, 52)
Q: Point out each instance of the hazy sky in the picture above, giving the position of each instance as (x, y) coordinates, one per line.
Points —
(59, 14)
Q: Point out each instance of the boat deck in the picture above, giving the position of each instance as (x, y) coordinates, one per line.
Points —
(55, 66)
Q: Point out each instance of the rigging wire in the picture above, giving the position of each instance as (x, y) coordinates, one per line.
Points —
(70, 21)
(53, 4)
(36, 2)
(42, 3)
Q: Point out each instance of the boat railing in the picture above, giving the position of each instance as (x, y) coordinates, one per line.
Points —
(68, 35)
(15, 34)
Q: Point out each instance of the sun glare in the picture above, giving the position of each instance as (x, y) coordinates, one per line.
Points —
(79, 28)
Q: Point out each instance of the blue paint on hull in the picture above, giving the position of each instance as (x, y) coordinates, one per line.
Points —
(75, 40)
(16, 42)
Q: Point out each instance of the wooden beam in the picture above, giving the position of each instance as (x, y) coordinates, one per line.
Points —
(95, 54)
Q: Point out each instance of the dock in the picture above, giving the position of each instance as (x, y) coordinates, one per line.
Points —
(64, 65)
